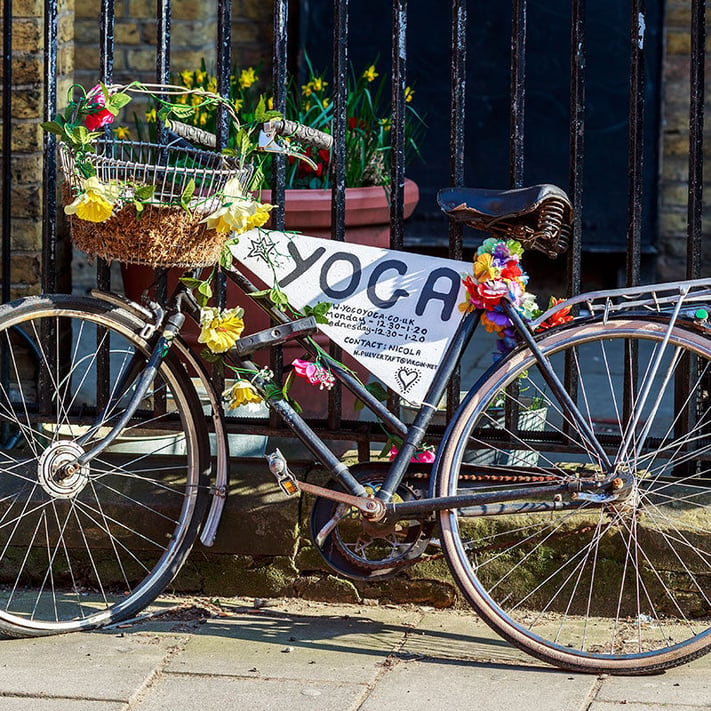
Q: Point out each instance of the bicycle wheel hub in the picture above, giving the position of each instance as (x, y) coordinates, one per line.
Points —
(51, 467)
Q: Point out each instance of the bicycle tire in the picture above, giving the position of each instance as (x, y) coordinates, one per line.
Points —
(97, 547)
(622, 586)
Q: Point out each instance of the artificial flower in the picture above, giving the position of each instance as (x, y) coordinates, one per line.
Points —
(313, 372)
(99, 119)
(559, 317)
(96, 201)
(421, 456)
(241, 393)
(219, 330)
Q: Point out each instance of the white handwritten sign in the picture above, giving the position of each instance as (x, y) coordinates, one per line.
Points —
(394, 312)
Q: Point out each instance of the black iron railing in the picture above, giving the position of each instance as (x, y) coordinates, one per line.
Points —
(461, 61)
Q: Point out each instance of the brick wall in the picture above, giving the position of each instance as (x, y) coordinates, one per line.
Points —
(192, 36)
(673, 193)
(27, 108)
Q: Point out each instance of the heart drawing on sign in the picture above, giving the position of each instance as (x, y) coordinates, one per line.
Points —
(407, 378)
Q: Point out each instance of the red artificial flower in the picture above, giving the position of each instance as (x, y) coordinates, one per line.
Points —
(559, 317)
(98, 120)
(511, 270)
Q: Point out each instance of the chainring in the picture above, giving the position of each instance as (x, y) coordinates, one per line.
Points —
(363, 549)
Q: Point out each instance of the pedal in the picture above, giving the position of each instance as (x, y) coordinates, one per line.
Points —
(275, 335)
(278, 467)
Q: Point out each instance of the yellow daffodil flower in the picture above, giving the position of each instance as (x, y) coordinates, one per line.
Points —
(219, 330)
(369, 74)
(270, 103)
(122, 133)
(307, 89)
(409, 94)
(212, 85)
(187, 78)
(151, 116)
(238, 104)
(241, 393)
(95, 203)
(325, 103)
(318, 84)
(247, 77)
(200, 77)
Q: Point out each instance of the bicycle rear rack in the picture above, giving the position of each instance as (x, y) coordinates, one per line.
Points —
(654, 298)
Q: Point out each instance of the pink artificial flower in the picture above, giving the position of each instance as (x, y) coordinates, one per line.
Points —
(424, 456)
(96, 95)
(314, 373)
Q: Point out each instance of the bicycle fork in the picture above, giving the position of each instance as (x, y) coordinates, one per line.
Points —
(171, 328)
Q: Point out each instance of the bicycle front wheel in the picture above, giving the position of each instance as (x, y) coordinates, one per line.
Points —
(82, 550)
(618, 583)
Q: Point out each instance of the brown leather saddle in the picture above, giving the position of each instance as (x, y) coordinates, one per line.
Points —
(539, 216)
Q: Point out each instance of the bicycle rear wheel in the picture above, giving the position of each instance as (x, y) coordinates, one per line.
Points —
(617, 585)
(95, 547)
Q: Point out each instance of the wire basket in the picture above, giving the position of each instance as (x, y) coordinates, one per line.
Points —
(165, 233)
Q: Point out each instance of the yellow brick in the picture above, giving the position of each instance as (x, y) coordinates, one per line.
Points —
(28, 8)
(191, 34)
(678, 42)
(141, 60)
(26, 234)
(127, 33)
(26, 137)
(191, 10)
(27, 35)
(143, 8)
(87, 57)
(27, 103)
(678, 15)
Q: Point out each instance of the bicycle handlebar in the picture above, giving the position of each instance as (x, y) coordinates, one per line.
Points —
(290, 129)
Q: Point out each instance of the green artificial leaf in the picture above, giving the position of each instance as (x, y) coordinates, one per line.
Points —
(145, 192)
(259, 294)
(188, 193)
(181, 111)
(191, 282)
(205, 289)
(261, 110)
(116, 102)
(209, 357)
(53, 127)
(225, 256)
(319, 312)
(278, 297)
(377, 390)
(139, 208)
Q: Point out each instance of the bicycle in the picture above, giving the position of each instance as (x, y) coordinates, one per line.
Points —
(582, 539)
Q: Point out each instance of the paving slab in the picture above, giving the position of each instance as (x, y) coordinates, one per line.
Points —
(83, 665)
(33, 703)
(440, 684)
(295, 641)
(196, 693)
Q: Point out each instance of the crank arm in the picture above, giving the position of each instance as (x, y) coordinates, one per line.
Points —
(373, 508)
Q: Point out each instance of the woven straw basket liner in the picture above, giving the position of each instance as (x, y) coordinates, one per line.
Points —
(164, 236)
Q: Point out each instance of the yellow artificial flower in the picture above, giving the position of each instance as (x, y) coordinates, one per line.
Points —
(96, 202)
(369, 74)
(241, 393)
(187, 78)
(219, 330)
(409, 94)
(122, 133)
(237, 213)
(247, 77)
(484, 269)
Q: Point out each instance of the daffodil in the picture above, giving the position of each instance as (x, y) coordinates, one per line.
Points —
(96, 201)
(409, 94)
(241, 393)
(369, 74)
(122, 133)
(237, 213)
(247, 77)
(187, 78)
(219, 330)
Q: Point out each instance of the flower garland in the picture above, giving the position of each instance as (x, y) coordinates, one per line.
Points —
(497, 274)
